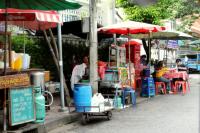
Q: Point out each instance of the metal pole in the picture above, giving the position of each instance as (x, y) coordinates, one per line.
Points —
(158, 46)
(61, 68)
(113, 20)
(5, 68)
(149, 44)
(113, 11)
(129, 57)
(24, 39)
(5, 112)
(93, 46)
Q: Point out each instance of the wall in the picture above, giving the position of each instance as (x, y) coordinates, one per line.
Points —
(104, 12)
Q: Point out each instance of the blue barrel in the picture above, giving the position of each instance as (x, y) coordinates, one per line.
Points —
(82, 97)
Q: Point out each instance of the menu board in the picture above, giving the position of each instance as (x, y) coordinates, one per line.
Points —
(10, 81)
(22, 108)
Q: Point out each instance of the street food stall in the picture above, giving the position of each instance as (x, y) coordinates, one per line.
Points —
(17, 79)
(9, 5)
(17, 87)
(131, 27)
(116, 74)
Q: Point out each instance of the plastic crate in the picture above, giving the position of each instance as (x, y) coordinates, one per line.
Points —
(148, 82)
(148, 92)
(148, 79)
(146, 85)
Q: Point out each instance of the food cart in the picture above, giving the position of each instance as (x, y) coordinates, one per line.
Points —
(117, 74)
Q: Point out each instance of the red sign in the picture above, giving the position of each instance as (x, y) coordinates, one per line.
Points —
(18, 17)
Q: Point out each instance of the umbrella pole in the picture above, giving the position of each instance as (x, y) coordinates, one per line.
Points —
(5, 45)
(4, 112)
(61, 69)
(5, 62)
(129, 56)
(149, 44)
(24, 39)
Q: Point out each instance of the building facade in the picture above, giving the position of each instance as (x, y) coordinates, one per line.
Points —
(106, 13)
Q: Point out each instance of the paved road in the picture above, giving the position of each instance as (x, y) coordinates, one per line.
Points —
(162, 114)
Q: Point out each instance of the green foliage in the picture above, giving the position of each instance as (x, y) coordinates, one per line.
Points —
(142, 14)
(122, 3)
(195, 49)
(32, 47)
(163, 9)
(41, 56)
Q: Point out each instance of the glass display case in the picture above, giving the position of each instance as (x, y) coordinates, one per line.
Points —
(117, 56)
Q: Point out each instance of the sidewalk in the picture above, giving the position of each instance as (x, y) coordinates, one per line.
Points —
(55, 119)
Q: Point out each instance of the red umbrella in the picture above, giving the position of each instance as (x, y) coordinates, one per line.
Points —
(130, 27)
(30, 19)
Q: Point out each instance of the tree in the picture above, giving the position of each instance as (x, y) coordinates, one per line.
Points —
(163, 9)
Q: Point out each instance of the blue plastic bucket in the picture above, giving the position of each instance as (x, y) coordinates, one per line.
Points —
(82, 97)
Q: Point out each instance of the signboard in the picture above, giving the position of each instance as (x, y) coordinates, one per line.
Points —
(123, 76)
(22, 107)
(17, 16)
(85, 25)
(10, 81)
(172, 44)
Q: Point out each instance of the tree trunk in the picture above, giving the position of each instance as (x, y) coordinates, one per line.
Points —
(146, 48)
(57, 66)
(54, 43)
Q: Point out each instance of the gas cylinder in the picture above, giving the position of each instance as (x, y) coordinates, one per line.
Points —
(39, 105)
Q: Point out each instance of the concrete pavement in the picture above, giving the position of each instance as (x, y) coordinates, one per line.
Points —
(164, 113)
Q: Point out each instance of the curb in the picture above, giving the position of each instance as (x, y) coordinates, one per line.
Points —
(48, 125)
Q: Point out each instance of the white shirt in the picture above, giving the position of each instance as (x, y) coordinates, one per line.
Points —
(77, 74)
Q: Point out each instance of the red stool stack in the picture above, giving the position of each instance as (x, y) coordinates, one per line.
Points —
(160, 84)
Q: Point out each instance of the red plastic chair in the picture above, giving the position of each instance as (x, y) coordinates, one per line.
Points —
(183, 84)
(157, 84)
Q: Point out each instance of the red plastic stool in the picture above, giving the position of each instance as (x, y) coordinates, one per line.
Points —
(163, 86)
(183, 84)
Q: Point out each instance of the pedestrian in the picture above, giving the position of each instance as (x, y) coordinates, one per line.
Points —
(160, 71)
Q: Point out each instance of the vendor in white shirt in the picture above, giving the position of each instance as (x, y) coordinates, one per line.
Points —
(79, 72)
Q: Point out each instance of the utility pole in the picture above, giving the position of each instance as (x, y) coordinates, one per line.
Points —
(113, 20)
(93, 45)
(113, 11)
